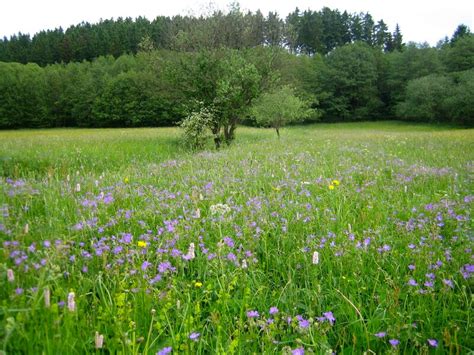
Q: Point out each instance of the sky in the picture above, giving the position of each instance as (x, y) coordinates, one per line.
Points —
(419, 20)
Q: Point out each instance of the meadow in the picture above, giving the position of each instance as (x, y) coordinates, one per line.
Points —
(344, 238)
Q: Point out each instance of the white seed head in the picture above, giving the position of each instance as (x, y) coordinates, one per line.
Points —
(71, 302)
(47, 298)
(99, 340)
(10, 275)
(315, 258)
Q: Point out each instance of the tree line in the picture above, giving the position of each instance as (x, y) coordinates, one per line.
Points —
(307, 32)
(160, 87)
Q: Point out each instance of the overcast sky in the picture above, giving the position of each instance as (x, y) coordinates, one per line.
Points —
(420, 20)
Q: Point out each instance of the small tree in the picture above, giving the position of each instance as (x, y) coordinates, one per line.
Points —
(278, 108)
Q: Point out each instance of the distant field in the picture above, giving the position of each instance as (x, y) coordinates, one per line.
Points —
(337, 237)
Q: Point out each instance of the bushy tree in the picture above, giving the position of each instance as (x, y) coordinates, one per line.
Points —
(460, 55)
(460, 105)
(278, 108)
(348, 83)
(237, 86)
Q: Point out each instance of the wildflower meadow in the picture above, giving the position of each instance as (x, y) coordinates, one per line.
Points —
(336, 238)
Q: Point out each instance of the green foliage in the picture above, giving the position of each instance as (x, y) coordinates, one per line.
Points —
(236, 87)
(197, 128)
(279, 108)
(460, 105)
(22, 96)
(349, 83)
(460, 55)
(440, 98)
(425, 98)
(309, 32)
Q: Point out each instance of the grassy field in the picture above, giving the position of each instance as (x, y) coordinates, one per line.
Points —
(342, 237)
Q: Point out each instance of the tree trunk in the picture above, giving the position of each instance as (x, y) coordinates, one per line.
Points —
(217, 142)
(278, 132)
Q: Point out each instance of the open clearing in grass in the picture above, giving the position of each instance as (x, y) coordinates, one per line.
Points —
(343, 237)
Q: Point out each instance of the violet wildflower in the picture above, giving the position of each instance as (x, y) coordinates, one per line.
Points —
(412, 282)
(165, 351)
(330, 317)
(303, 323)
(381, 334)
(433, 343)
(253, 314)
(145, 265)
(273, 310)
(194, 336)
(394, 342)
(297, 351)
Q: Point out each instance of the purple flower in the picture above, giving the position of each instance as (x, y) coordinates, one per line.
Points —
(253, 314)
(380, 334)
(330, 317)
(433, 343)
(412, 282)
(145, 265)
(165, 351)
(297, 351)
(429, 284)
(273, 310)
(194, 336)
(19, 291)
(394, 342)
(303, 323)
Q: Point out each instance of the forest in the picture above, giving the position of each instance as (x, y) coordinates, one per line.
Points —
(136, 72)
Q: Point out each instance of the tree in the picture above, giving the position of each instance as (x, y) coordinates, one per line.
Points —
(235, 90)
(460, 55)
(460, 105)
(278, 108)
(461, 31)
(348, 83)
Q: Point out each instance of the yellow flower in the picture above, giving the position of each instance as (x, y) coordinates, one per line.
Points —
(336, 182)
(141, 244)
(126, 180)
(331, 187)
(198, 284)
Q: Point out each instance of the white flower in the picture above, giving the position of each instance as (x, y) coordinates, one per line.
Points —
(71, 303)
(315, 258)
(10, 275)
(78, 187)
(99, 340)
(27, 228)
(191, 254)
(47, 298)
(220, 209)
